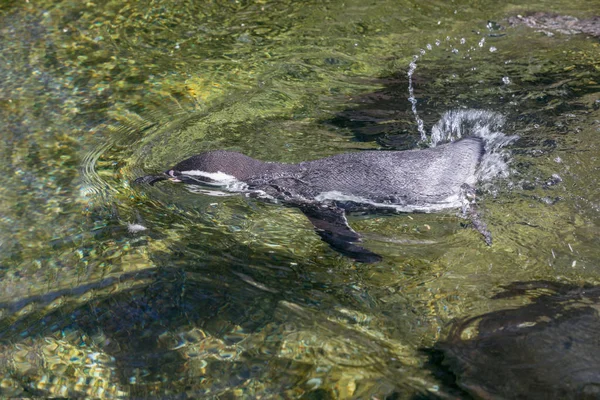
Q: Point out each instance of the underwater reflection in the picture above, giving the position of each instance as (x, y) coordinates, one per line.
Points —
(547, 349)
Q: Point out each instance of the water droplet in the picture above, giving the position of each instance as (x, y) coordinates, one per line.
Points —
(506, 80)
(463, 41)
(429, 47)
(493, 49)
(455, 51)
(481, 42)
(422, 52)
(437, 42)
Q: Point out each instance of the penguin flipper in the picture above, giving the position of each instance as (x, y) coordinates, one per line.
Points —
(332, 226)
(470, 211)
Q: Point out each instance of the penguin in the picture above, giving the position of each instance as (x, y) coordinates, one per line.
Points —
(422, 180)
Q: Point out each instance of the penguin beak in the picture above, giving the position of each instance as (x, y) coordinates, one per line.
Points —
(152, 179)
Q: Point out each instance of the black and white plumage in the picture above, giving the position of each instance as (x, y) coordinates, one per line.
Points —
(414, 180)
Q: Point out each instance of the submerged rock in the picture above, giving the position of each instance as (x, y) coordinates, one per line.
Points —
(559, 23)
(547, 349)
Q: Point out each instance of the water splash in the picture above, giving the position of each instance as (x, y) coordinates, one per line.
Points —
(485, 124)
(413, 101)
(412, 67)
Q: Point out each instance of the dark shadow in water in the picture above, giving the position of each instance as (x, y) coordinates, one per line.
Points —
(129, 321)
(128, 315)
(383, 116)
(549, 349)
(134, 317)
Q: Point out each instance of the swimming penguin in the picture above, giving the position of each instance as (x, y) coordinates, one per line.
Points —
(325, 189)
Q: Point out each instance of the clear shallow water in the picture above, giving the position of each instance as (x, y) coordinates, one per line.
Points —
(232, 297)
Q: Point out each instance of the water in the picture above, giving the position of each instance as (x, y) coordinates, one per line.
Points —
(231, 297)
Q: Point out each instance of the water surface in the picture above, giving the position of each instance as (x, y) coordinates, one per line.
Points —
(113, 290)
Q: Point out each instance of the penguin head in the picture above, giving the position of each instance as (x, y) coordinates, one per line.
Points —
(217, 167)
